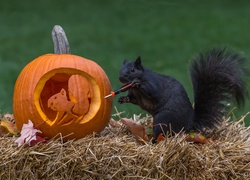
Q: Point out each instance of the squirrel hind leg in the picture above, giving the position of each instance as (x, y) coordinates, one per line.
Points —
(170, 122)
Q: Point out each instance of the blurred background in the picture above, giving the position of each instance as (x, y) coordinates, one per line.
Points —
(167, 34)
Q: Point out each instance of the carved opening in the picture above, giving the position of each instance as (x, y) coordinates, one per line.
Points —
(65, 97)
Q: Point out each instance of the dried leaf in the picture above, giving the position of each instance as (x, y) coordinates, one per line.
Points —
(113, 123)
(197, 138)
(8, 127)
(136, 129)
(8, 116)
(28, 134)
(160, 138)
(3, 131)
(37, 140)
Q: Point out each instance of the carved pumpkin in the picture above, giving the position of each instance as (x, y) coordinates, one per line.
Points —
(62, 93)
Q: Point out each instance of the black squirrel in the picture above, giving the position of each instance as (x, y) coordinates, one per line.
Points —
(217, 78)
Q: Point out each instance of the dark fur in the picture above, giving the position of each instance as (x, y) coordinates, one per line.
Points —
(217, 78)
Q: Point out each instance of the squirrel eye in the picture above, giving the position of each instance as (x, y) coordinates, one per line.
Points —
(132, 69)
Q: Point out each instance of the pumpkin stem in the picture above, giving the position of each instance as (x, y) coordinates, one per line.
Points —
(61, 43)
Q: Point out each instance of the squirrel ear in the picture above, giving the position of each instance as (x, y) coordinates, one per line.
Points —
(138, 64)
(138, 60)
(63, 92)
(125, 61)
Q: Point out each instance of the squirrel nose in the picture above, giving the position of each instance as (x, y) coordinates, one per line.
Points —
(122, 79)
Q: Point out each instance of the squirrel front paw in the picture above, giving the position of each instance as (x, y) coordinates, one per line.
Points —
(136, 83)
(123, 99)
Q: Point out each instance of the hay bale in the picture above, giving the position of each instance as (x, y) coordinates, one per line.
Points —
(116, 155)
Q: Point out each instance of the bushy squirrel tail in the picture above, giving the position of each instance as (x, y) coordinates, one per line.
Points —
(218, 78)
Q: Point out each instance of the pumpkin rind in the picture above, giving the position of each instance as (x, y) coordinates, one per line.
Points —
(55, 76)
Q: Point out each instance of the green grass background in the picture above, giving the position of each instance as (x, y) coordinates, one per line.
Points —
(165, 33)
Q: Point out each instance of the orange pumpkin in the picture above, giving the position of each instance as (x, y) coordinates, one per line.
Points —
(62, 93)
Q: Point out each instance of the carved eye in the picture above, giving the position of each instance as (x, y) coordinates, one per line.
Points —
(132, 69)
